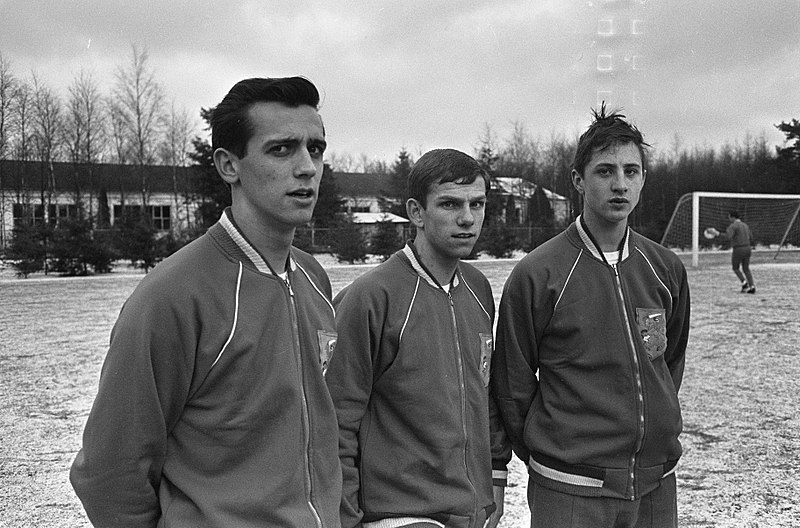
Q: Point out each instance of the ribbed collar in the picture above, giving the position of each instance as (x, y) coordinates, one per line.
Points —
(250, 252)
(594, 248)
(410, 251)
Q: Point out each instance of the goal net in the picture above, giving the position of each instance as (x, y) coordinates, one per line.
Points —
(774, 220)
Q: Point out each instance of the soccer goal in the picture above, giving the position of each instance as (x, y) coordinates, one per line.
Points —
(773, 219)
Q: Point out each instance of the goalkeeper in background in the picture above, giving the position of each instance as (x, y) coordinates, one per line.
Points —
(741, 240)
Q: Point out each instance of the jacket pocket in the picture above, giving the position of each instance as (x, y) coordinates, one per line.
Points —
(652, 324)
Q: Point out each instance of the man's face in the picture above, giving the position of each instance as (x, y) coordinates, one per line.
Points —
(451, 222)
(610, 184)
(280, 173)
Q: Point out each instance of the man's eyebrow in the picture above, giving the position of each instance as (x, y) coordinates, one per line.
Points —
(281, 140)
(454, 198)
(604, 164)
(294, 140)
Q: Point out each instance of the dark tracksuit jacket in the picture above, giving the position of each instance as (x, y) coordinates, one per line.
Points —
(212, 409)
(409, 382)
(608, 344)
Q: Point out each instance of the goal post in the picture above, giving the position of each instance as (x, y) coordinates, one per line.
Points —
(774, 220)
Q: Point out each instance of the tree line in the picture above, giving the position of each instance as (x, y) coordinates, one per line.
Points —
(134, 124)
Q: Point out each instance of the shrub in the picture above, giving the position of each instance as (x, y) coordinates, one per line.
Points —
(497, 240)
(385, 240)
(27, 250)
(349, 243)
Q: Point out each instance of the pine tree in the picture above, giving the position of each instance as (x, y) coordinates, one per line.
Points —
(350, 245)
(394, 199)
(329, 202)
(385, 240)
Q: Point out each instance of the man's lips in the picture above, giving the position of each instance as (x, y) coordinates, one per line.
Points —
(464, 235)
(301, 193)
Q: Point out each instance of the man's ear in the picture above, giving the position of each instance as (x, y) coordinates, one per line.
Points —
(577, 181)
(414, 211)
(227, 164)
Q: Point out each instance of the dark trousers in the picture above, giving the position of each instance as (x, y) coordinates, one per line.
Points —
(740, 256)
(553, 509)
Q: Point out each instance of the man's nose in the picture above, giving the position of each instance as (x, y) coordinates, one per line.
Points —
(306, 166)
(467, 217)
(619, 182)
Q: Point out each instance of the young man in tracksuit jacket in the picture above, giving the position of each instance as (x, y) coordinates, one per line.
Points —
(212, 408)
(591, 342)
(410, 375)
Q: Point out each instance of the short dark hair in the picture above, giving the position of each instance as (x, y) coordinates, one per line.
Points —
(605, 131)
(733, 214)
(443, 166)
(230, 125)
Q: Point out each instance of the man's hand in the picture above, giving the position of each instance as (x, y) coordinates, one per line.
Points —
(499, 502)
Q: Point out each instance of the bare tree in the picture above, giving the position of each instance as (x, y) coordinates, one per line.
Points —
(22, 112)
(8, 92)
(178, 132)
(48, 126)
(517, 158)
(85, 130)
(120, 148)
(341, 162)
(139, 102)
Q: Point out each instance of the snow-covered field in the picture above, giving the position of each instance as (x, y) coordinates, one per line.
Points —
(741, 466)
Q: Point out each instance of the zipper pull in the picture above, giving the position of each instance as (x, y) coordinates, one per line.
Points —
(616, 271)
(289, 286)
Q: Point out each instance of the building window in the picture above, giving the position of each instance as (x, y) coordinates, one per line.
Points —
(160, 216)
(604, 63)
(28, 213)
(636, 62)
(637, 27)
(605, 27)
(603, 96)
(56, 213)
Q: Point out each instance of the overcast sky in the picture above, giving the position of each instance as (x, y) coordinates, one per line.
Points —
(429, 74)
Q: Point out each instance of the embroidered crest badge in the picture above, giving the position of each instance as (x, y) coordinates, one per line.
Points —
(327, 346)
(487, 346)
(652, 323)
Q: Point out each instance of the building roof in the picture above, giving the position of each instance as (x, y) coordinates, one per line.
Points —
(352, 184)
(523, 188)
(374, 218)
(70, 177)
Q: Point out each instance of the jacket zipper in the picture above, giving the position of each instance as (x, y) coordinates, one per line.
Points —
(462, 393)
(640, 392)
(306, 422)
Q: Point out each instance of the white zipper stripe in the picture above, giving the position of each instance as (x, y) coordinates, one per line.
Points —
(408, 313)
(478, 300)
(235, 316)
(313, 284)
(569, 276)
(652, 269)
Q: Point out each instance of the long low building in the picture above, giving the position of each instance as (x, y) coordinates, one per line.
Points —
(41, 192)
